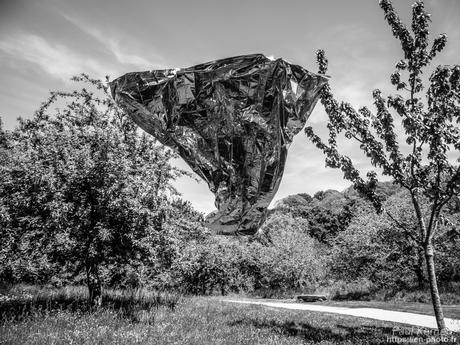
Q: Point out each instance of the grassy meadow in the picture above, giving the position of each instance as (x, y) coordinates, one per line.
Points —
(61, 316)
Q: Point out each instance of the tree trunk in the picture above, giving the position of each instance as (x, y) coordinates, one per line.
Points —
(421, 280)
(94, 284)
(436, 300)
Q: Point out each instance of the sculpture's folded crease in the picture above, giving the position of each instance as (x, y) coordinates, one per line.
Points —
(232, 121)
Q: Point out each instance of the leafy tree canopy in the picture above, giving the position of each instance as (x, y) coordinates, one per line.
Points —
(82, 189)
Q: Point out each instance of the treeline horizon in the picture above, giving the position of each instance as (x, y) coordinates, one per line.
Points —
(86, 198)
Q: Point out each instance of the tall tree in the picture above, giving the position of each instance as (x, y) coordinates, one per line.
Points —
(83, 189)
(430, 130)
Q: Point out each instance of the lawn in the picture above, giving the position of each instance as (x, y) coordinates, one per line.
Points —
(452, 311)
(189, 320)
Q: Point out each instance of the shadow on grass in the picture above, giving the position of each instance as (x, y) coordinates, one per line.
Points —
(359, 334)
(306, 331)
(127, 304)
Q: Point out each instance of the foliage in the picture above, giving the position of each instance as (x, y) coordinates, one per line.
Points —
(369, 255)
(218, 265)
(283, 259)
(358, 289)
(82, 189)
(373, 248)
(322, 216)
(291, 262)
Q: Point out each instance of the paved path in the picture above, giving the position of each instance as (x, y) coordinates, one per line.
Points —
(371, 313)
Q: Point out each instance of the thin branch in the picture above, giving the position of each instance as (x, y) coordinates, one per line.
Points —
(398, 223)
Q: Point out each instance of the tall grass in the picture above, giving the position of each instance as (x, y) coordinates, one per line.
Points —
(21, 302)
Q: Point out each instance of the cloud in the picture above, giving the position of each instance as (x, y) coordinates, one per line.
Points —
(114, 46)
(55, 59)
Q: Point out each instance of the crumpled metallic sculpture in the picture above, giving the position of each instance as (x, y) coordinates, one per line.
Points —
(232, 121)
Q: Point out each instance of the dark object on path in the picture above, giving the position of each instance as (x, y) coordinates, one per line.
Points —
(232, 121)
(311, 298)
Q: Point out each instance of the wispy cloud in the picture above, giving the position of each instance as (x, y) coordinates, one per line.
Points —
(57, 60)
(114, 46)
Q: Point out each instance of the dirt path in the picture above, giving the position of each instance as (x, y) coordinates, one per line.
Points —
(371, 313)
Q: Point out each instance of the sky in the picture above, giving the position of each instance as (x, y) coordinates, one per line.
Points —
(45, 42)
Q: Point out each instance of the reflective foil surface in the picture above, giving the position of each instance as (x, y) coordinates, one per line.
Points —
(232, 121)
